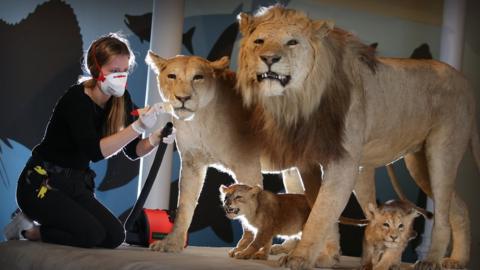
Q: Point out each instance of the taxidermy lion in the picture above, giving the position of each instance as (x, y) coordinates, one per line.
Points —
(213, 129)
(266, 213)
(323, 97)
(388, 233)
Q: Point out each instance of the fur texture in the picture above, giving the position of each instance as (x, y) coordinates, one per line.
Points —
(321, 96)
(268, 215)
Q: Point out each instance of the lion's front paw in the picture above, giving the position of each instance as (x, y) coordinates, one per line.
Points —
(450, 263)
(278, 249)
(169, 244)
(244, 254)
(294, 262)
(425, 265)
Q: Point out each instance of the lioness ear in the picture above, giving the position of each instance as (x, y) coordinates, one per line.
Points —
(155, 61)
(221, 64)
(321, 28)
(244, 22)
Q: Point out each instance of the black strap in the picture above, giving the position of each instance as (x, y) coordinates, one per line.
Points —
(152, 174)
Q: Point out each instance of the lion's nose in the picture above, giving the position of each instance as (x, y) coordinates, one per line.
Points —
(183, 99)
(394, 237)
(270, 59)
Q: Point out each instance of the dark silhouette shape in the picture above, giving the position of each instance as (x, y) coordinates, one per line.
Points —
(224, 44)
(422, 52)
(41, 58)
(141, 25)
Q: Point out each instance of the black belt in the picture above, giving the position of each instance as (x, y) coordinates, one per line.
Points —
(55, 169)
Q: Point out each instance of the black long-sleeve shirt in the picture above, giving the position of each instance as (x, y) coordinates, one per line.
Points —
(73, 133)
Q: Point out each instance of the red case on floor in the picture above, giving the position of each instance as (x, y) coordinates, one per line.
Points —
(158, 224)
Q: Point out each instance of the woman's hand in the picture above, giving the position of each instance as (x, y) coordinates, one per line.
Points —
(155, 137)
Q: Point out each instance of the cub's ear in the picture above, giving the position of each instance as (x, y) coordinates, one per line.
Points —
(244, 23)
(221, 64)
(322, 28)
(255, 190)
(222, 188)
(155, 61)
(372, 209)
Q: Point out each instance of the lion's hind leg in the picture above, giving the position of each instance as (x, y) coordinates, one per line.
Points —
(459, 219)
(445, 147)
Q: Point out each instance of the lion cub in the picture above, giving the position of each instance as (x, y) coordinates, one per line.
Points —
(388, 233)
(267, 214)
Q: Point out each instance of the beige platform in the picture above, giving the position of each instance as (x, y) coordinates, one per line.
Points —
(23, 255)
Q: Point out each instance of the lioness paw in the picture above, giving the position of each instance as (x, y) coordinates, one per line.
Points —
(167, 245)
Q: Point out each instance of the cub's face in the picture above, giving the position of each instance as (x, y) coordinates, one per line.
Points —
(393, 227)
(239, 200)
(186, 82)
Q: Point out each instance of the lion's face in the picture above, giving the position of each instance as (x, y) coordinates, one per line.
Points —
(278, 51)
(278, 58)
(186, 82)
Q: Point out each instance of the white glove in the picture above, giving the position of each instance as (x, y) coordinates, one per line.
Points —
(147, 119)
(162, 107)
(154, 138)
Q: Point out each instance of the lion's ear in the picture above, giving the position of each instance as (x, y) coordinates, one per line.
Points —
(244, 22)
(255, 190)
(222, 188)
(321, 28)
(221, 64)
(155, 61)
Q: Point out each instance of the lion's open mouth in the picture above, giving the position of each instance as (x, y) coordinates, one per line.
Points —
(230, 210)
(283, 79)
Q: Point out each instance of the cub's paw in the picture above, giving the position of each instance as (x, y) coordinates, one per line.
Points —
(294, 262)
(260, 255)
(449, 263)
(169, 244)
(232, 252)
(425, 265)
(244, 255)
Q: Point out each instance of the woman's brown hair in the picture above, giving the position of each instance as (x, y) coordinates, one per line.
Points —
(97, 55)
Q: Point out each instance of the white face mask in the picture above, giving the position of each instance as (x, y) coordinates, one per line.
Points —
(114, 84)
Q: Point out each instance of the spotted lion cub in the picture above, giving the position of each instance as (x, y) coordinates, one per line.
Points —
(388, 233)
(266, 214)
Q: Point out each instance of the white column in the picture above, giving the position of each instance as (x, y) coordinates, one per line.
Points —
(166, 41)
(451, 52)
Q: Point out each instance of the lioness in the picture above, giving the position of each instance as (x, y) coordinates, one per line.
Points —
(323, 97)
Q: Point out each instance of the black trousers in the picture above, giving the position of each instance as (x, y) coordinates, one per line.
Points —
(69, 213)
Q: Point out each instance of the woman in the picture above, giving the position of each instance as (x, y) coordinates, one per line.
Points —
(90, 122)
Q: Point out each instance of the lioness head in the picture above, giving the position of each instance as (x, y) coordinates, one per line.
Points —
(187, 82)
(239, 200)
(278, 52)
(390, 224)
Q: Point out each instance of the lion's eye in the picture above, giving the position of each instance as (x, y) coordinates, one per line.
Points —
(258, 41)
(171, 76)
(386, 225)
(400, 226)
(197, 77)
(292, 42)
(237, 197)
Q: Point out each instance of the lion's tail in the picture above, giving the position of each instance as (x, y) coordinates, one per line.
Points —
(475, 144)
